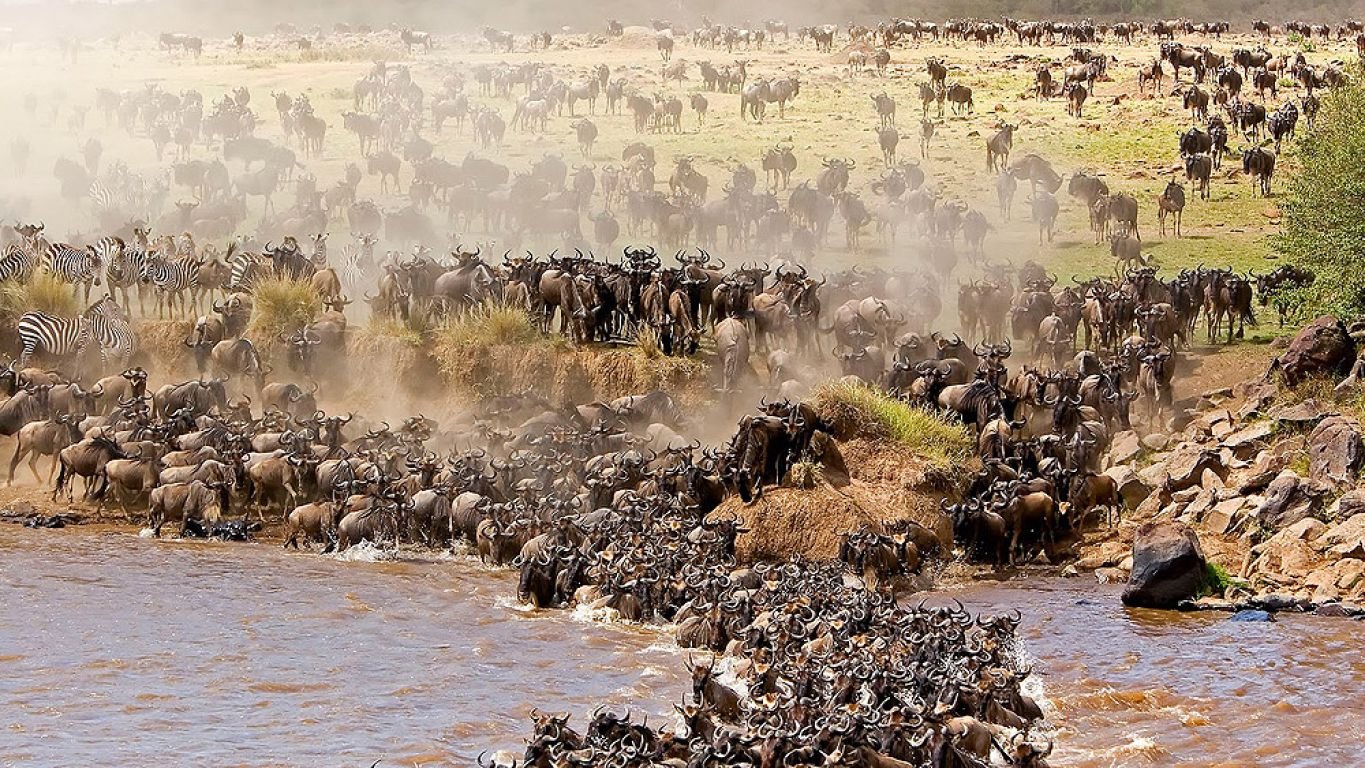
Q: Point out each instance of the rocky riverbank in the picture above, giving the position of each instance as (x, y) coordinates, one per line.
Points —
(1267, 474)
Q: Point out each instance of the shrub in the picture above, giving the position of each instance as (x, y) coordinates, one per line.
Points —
(1322, 230)
(858, 410)
(281, 305)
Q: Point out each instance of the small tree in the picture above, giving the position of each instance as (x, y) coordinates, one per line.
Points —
(1324, 206)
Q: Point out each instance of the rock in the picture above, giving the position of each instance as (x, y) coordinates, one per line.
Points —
(1222, 429)
(1200, 505)
(1124, 447)
(1154, 475)
(1155, 441)
(1187, 464)
(1150, 506)
(1070, 571)
(1342, 580)
(1168, 566)
(1251, 615)
(1258, 398)
(1350, 504)
(1323, 347)
(1288, 499)
(1278, 602)
(1306, 529)
(1131, 489)
(1336, 451)
(1223, 393)
(1286, 553)
(1333, 611)
(1347, 534)
(1225, 515)
(1246, 441)
(1300, 414)
(1211, 480)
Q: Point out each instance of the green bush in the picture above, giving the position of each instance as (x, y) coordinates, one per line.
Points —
(1323, 227)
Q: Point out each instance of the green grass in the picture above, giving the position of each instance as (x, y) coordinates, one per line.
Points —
(44, 293)
(281, 306)
(1217, 580)
(869, 413)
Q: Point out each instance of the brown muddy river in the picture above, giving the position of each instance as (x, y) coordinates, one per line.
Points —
(116, 650)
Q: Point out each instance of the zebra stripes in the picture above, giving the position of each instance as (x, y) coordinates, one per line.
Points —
(18, 263)
(244, 269)
(104, 325)
(172, 278)
(77, 266)
(58, 337)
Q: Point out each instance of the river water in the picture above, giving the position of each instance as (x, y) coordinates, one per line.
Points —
(128, 651)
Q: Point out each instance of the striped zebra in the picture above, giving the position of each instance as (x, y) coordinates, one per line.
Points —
(319, 257)
(244, 269)
(357, 259)
(79, 267)
(103, 198)
(172, 279)
(103, 326)
(18, 263)
(125, 271)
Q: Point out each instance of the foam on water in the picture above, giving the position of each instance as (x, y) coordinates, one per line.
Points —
(365, 552)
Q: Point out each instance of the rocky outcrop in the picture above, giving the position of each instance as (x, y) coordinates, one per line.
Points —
(1321, 348)
(1289, 499)
(1336, 451)
(1168, 566)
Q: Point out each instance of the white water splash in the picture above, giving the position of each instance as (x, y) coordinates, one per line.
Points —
(365, 552)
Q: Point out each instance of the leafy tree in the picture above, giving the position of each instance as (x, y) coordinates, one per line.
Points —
(1324, 204)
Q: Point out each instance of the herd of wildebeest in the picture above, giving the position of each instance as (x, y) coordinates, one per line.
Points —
(613, 504)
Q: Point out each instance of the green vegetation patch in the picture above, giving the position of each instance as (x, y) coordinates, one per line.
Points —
(857, 410)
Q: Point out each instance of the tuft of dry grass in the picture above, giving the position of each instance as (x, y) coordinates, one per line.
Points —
(857, 410)
(282, 305)
(490, 323)
(44, 293)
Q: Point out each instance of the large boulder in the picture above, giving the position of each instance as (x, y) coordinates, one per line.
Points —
(1321, 348)
(1168, 566)
(1336, 451)
(1289, 499)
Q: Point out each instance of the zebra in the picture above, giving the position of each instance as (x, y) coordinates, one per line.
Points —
(125, 270)
(104, 325)
(78, 266)
(319, 257)
(18, 263)
(357, 259)
(172, 278)
(244, 269)
(103, 198)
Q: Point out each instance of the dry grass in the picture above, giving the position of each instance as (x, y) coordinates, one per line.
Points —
(44, 293)
(856, 410)
(282, 306)
(495, 349)
(490, 323)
